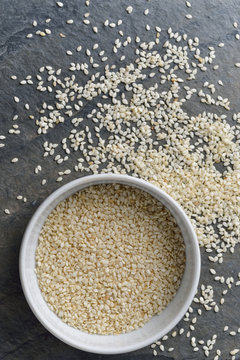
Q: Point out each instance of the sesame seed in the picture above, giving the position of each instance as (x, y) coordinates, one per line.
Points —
(16, 99)
(70, 21)
(101, 198)
(129, 9)
(7, 211)
(188, 16)
(59, 4)
(29, 36)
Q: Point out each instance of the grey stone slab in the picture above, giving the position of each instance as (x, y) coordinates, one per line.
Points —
(22, 337)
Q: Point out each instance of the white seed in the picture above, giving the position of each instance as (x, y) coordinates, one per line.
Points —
(14, 160)
(59, 3)
(129, 9)
(234, 351)
(7, 211)
(70, 21)
(16, 99)
(188, 16)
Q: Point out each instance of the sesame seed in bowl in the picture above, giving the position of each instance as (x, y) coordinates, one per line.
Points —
(109, 263)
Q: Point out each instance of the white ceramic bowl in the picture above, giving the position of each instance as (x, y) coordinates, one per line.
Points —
(154, 329)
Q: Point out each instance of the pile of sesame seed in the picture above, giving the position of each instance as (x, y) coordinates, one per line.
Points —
(109, 258)
(140, 123)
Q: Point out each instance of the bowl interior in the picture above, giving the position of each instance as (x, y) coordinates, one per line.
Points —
(109, 344)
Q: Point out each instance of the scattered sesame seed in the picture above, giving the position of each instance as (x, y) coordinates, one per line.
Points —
(34, 23)
(129, 9)
(16, 99)
(29, 36)
(7, 211)
(237, 65)
(235, 24)
(188, 4)
(70, 21)
(221, 45)
(59, 4)
(188, 16)
(234, 351)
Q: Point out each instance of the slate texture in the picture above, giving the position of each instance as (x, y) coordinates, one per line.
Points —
(22, 337)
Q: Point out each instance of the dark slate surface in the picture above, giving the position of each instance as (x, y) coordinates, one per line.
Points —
(22, 337)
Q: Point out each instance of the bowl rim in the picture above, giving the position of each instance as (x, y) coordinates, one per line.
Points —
(87, 181)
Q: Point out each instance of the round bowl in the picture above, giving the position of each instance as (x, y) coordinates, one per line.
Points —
(158, 325)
